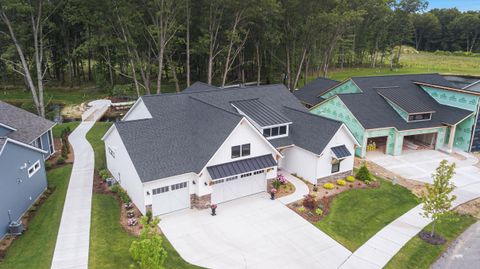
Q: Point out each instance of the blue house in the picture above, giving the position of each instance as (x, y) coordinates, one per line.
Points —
(26, 141)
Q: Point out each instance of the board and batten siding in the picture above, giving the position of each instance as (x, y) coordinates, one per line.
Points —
(244, 133)
(122, 169)
(19, 191)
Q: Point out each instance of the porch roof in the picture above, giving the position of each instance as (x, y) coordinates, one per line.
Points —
(241, 166)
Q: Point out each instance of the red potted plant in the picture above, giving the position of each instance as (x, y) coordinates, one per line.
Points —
(272, 193)
(213, 207)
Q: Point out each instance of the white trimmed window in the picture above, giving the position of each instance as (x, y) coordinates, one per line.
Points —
(111, 152)
(32, 170)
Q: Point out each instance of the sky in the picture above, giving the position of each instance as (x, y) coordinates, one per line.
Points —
(462, 5)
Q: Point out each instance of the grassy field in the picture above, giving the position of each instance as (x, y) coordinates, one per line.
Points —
(34, 249)
(356, 215)
(94, 136)
(423, 62)
(57, 129)
(419, 254)
(109, 242)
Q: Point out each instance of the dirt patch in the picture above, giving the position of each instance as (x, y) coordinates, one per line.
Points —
(58, 152)
(73, 111)
(470, 208)
(434, 239)
(416, 187)
(284, 190)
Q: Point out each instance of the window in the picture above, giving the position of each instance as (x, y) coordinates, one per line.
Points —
(235, 152)
(34, 169)
(258, 172)
(231, 178)
(335, 166)
(160, 190)
(179, 186)
(245, 149)
(240, 151)
(419, 117)
(275, 131)
(215, 182)
(245, 175)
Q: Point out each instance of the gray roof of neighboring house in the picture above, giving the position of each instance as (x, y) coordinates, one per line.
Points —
(199, 86)
(28, 125)
(309, 94)
(262, 114)
(241, 166)
(187, 128)
(373, 111)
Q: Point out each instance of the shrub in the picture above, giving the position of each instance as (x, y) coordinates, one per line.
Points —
(363, 174)
(282, 179)
(318, 211)
(60, 160)
(48, 165)
(276, 184)
(124, 197)
(310, 202)
(350, 179)
(301, 209)
(115, 188)
(149, 215)
(328, 186)
(341, 182)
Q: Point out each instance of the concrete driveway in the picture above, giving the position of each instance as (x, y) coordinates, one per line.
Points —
(251, 232)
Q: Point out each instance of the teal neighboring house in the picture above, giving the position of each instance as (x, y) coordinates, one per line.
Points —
(393, 114)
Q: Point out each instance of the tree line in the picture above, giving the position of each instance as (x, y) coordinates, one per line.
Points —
(146, 43)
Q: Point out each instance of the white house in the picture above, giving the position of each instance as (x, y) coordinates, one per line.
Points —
(210, 145)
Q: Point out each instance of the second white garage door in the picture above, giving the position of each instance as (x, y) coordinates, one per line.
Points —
(238, 186)
(170, 198)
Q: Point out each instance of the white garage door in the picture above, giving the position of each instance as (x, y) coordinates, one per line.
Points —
(170, 198)
(238, 186)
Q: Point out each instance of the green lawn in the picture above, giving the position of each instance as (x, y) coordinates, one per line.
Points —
(34, 249)
(94, 136)
(356, 215)
(419, 254)
(57, 129)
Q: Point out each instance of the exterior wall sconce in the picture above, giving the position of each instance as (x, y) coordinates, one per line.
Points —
(193, 182)
(205, 183)
(148, 193)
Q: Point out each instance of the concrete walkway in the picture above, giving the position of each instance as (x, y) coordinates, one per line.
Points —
(379, 249)
(301, 189)
(72, 246)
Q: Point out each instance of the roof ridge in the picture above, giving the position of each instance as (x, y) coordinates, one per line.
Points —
(131, 121)
(311, 114)
(242, 100)
(214, 106)
(396, 75)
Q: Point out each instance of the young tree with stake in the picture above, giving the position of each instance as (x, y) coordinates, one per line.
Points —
(437, 200)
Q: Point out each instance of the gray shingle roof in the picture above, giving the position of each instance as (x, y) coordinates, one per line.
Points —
(28, 125)
(373, 111)
(199, 86)
(341, 151)
(405, 100)
(241, 166)
(309, 94)
(186, 129)
(260, 113)
(310, 131)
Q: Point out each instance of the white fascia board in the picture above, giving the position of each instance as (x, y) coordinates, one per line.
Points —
(21, 144)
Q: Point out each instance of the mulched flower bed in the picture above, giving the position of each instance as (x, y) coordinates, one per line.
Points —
(436, 239)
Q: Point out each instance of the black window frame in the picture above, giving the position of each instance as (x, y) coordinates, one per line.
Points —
(420, 117)
(275, 131)
(335, 167)
(245, 150)
(282, 130)
(267, 132)
(234, 151)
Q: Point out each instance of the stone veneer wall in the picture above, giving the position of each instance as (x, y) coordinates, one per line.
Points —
(200, 202)
(342, 175)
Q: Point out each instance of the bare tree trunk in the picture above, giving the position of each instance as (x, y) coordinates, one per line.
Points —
(160, 68)
(299, 70)
(173, 69)
(259, 63)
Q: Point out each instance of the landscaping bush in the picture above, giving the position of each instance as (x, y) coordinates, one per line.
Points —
(319, 211)
(60, 160)
(350, 178)
(149, 215)
(48, 165)
(363, 174)
(276, 184)
(301, 209)
(124, 196)
(115, 188)
(328, 186)
(341, 182)
(104, 174)
(310, 202)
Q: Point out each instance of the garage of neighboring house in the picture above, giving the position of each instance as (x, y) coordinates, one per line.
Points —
(420, 141)
(377, 144)
(170, 198)
(240, 178)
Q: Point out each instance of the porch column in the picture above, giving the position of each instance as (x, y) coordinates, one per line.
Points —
(451, 138)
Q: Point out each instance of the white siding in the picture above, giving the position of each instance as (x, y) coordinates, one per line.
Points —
(122, 169)
(301, 162)
(244, 133)
(149, 186)
(324, 165)
(138, 111)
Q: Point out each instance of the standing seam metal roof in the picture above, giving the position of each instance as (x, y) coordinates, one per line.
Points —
(241, 166)
(260, 113)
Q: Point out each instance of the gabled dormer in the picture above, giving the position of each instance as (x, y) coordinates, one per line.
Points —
(411, 109)
(271, 123)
